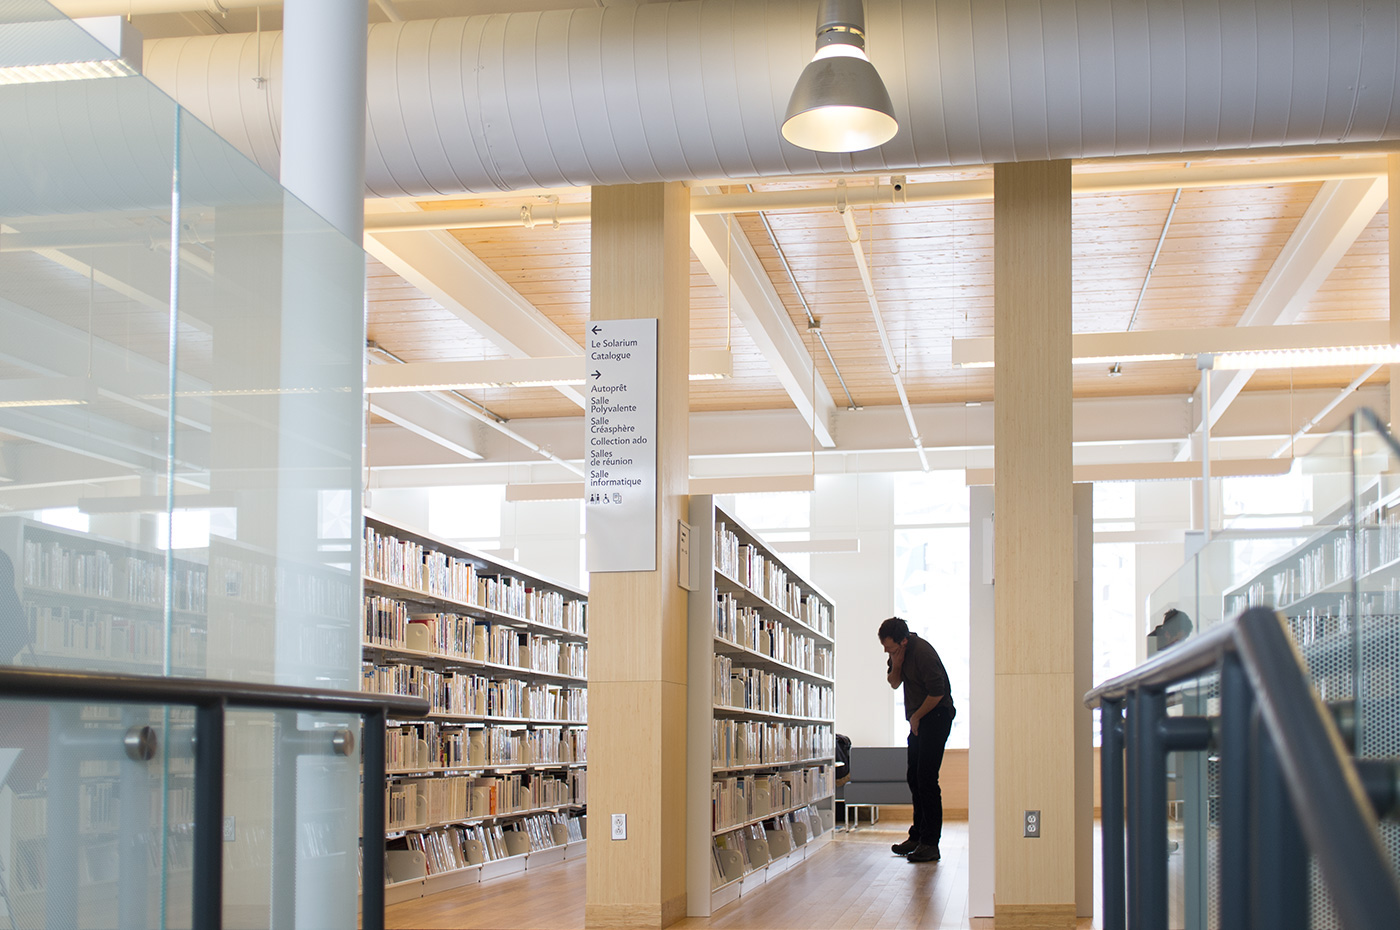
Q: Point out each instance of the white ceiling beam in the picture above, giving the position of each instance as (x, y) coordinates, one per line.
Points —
(440, 266)
(976, 351)
(1089, 178)
(761, 312)
(705, 364)
(1337, 215)
(432, 418)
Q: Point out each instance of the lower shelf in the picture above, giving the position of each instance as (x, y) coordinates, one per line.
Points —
(485, 872)
(731, 892)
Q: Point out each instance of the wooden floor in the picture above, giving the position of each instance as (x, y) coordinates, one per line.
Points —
(855, 883)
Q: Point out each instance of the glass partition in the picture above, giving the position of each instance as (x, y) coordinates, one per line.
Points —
(1334, 575)
(181, 349)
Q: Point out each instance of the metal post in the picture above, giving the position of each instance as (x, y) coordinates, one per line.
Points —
(1205, 448)
(1280, 859)
(1236, 710)
(1111, 770)
(1147, 788)
(372, 916)
(284, 823)
(209, 816)
(135, 834)
(61, 821)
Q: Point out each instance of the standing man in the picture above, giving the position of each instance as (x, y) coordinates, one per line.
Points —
(928, 706)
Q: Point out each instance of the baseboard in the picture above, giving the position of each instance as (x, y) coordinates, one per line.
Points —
(634, 916)
(1036, 917)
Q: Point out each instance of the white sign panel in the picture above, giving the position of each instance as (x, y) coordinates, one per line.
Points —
(620, 484)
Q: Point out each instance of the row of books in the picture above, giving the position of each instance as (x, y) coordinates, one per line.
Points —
(426, 745)
(742, 851)
(391, 622)
(469, 694)
(249, 579)
(419, 802)
(80, 632)
(740, 798)
(770, 692)
(93, 572)
(751, 567)
(745, 742)
(412, 565)
(447, 849)
(747, 627)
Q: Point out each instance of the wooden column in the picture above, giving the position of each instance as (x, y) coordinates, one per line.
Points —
(637, 620)
(1035, 684)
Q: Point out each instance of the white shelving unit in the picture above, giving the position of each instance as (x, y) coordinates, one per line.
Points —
(760, 713)
(494, 780)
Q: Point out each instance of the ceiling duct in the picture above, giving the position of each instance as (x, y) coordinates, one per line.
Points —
(690, 90)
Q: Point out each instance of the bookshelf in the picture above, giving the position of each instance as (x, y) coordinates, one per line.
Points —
(98, 604)
(760, 759)
(494, 780)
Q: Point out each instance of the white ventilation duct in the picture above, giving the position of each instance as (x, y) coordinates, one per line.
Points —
(666, 91)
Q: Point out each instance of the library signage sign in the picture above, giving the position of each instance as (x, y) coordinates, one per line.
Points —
(620, 485)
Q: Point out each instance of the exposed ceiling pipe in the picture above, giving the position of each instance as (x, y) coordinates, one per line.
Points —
(1328, 408)
(691, 90)
(853, 237)
(765, 201)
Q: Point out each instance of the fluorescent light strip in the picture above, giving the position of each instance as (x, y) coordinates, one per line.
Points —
(65, 71)
(1304, 358)
(1179, 344)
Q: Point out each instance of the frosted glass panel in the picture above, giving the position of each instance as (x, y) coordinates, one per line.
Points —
(180, 441)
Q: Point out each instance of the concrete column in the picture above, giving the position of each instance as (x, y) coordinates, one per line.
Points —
(1035, 682)
(1393, 167)
(324, 50)
(637, 620)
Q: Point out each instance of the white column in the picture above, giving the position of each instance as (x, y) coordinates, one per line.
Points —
(324, 49)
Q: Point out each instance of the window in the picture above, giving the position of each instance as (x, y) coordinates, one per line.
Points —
(1115, 609)
(469, 512)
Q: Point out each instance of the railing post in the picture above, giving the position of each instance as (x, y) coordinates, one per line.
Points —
(1236, 711)
(1147, 827)
(1111, 771)
(372, 846)
(136, 832)
(209, 815)
(1280, 857)
(284, 822)
(61, 821)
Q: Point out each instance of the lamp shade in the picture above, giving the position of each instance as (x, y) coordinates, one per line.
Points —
(839, 105)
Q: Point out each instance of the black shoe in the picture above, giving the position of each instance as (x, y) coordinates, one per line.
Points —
(905, 848)
(924, 853)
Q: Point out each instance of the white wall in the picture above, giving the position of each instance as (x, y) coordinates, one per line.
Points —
(545, 537)
(861, 586)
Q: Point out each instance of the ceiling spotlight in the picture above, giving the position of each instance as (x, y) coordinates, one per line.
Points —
(839, 104)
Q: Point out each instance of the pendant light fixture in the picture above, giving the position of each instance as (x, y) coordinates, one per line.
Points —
(839, 103)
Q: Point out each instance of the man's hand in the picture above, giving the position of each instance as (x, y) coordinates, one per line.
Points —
(914, 725)
(897, 658)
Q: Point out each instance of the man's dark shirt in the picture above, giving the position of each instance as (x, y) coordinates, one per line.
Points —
(923, 674)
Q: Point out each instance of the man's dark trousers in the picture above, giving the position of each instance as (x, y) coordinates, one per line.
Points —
(925, 759)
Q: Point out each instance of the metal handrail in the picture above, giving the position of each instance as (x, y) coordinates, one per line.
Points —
(211, 699)
(1295, 741)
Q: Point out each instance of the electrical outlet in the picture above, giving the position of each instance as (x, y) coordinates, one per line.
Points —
(619, 826)
(1032, 824)
(230, 829)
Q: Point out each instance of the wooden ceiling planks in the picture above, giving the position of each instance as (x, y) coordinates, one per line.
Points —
(932, 268)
